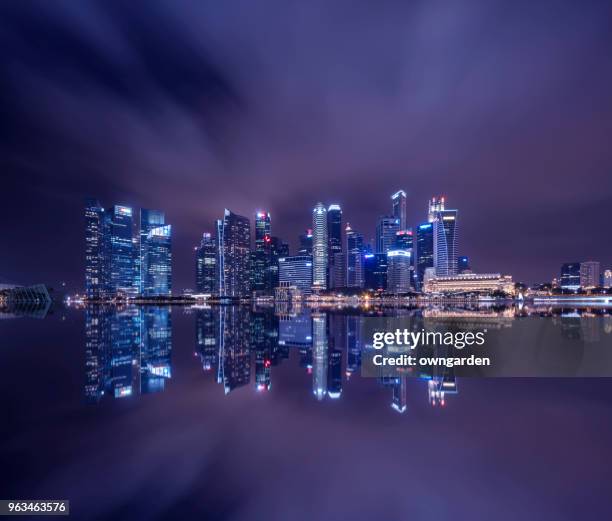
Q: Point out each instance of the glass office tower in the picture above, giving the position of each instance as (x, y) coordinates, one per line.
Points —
(386, 230)
(155, 254)
(398, 200)
(570, 276)
(119, 255)
(234, 243)
(399, 271)
(306, 243)
(445, 243)
(336, 276)
(354, 258)
(206, 265)
(94, 249)
(296, 271)
(425, 251)
(261, 257)
(375, 271)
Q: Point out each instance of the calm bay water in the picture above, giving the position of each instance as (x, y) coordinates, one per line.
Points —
(239, 414)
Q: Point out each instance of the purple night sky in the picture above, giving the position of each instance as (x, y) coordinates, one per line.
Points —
(189, 107)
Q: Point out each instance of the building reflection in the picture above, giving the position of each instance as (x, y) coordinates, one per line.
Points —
(319, 355)
(155, 348)
(234, 366)
(128, 350)
(233, 341)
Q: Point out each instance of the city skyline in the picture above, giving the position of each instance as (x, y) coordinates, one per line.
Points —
(125, 257)
(497, 113)
(331, 250)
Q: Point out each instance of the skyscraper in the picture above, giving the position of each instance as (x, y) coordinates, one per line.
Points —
(261, 278)
(278, 249)
(386, 230)
(319, 247)
(306, 243)
(399, 208)
(404, 240)
(354, 258)
(445, 243)
(425, 250)
(607, 278)
(434, 206)
(335, 259)
(119, 252)
(570, 276)
(206, 265)
(234, 243)
(262, 229)
(155, 254)
(296, 271)
(334, 228)
(94, 250)
(589, 274)
(399, 271)
(375, 271)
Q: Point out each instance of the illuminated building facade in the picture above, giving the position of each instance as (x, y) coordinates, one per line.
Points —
(234, 245)
(336, 268)
(296, 271)
(386, 229)
(155, 254)
(119, 255)
(319, 247)
(278, 249)
(404, 240)
(354, 258)
(306, 243)
(399, 271)
(261, 257)
(263, 222)
(94, 250)
(570, 276)
(398, 200)
(485, 283)
(434, 206)
(375, 271)
(206, 265)
(425, 251)
(445, 243)
(607, 278)
(589, 274)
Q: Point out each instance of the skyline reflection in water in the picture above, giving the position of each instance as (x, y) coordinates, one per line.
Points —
(129, 350)
(217, 416)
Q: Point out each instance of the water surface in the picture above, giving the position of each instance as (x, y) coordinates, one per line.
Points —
(235, 414)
